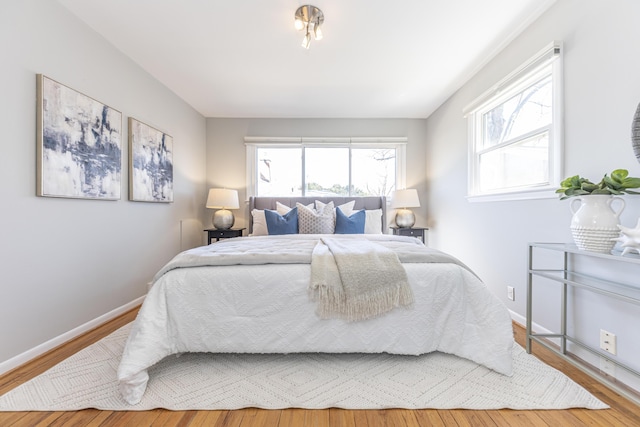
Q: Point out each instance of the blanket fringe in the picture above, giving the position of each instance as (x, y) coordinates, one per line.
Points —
(332, 303)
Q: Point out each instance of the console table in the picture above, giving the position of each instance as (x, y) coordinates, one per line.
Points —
(566, 277)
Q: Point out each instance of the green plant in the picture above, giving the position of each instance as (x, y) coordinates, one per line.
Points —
(618, 183)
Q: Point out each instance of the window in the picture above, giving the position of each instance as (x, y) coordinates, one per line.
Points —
(329, 167)
(374, 171)
(515, 136)
(279, 171)
(326, 171)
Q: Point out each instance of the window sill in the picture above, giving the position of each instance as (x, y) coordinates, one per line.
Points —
(546, 193)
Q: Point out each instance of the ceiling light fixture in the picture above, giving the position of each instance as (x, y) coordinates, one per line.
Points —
(309, 18)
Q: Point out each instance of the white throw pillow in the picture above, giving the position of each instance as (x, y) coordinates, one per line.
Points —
(373, 221)
(311, 221)
(259, 223)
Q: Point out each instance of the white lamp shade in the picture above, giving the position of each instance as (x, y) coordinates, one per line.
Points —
(222, 198)
(405, 198)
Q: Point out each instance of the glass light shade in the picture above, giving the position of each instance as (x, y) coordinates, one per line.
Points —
(306, 42)
(222, 198)
(309, 18)
(405, 198)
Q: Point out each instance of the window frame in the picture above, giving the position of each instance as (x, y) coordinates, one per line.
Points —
(253, 143)
(547, 62)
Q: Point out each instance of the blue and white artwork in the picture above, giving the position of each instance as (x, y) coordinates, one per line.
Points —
(79, 144)
(151, 163)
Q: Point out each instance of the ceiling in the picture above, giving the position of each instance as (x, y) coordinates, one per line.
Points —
(243, 58)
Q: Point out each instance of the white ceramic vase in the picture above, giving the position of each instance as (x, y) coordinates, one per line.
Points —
(594, 224)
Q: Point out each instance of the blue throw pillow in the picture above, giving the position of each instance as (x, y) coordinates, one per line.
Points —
(281, 224)
(353, 224)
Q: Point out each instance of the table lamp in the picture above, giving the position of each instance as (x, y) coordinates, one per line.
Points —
(401, 200)
(223, 199)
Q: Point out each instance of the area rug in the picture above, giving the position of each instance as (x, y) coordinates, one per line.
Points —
(315, 381)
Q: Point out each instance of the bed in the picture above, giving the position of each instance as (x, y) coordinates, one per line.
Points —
(263, 294)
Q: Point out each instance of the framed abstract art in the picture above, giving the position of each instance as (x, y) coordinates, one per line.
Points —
(79, 144)
(150, 163)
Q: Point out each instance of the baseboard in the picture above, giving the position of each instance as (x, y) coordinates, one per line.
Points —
(519, 319)
(31, 354)
(522, 321)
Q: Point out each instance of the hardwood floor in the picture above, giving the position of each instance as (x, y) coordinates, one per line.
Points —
(622, 412)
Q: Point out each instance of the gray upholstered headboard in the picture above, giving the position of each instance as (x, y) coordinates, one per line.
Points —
(369, 202)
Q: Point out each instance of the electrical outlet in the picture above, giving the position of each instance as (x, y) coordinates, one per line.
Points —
(511, 293)
(607, 367)
(608, 342)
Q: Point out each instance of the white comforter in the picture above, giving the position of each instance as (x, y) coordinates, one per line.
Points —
(250, 295)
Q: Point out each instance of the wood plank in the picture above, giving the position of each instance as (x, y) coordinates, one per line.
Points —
(391, 418)
(131, 418)
(12, 418)
(561, 418)
(62, 419)
(173, 418)
(207, 418)
(468, 418)
(360, 418)
(316, 418)
(231, 419)
(50, 419)
(260, 417)
(508, 418)
(448, 418)
(341, 417)
(292, 417)
(403, 418)
(429, 417)
(95, 421)
(29, 419)
(601, 417)
(267, 418)
(376, 418)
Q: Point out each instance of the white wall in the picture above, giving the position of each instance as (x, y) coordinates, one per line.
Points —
(226, 149)
(66, 261)
(601, 92)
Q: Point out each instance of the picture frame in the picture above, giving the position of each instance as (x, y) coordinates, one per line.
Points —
(79, 144)
(150, 163)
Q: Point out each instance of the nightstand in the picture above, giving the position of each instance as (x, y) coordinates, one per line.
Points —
(214, 233)
(417, 232)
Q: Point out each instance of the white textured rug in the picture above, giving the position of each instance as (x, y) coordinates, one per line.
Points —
(352, 381)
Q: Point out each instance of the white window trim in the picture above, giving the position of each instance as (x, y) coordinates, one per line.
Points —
(551, 55)
(253, 142)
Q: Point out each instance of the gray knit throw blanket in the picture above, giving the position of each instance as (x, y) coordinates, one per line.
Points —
(357, 279)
